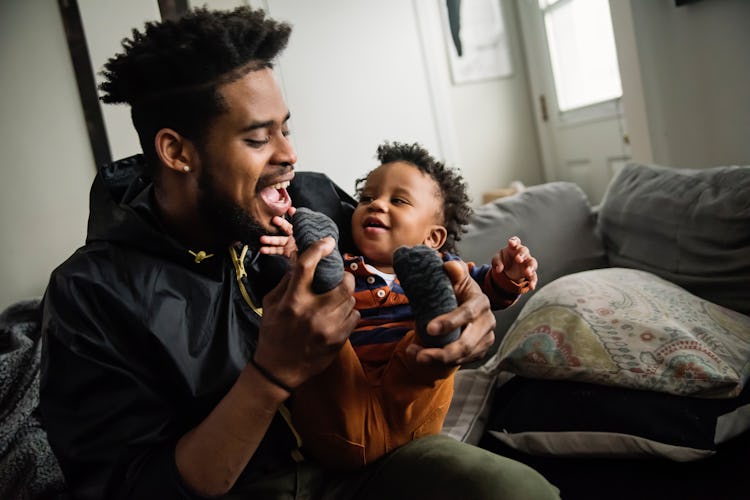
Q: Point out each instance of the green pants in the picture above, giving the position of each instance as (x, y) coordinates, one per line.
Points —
(434, 467)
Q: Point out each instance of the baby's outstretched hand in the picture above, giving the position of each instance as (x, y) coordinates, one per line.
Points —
(516, 262)
(283, 244)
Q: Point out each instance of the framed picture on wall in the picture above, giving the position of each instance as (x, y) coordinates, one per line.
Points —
(476, 40)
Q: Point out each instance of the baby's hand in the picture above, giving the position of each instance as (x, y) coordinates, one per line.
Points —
(516, 262)
(280, 245)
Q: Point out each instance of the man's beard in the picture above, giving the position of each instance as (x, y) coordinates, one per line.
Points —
(229, 221)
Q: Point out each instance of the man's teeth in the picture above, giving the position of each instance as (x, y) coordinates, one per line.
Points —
(281, 185)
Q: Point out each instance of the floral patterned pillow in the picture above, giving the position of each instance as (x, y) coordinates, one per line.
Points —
(629, 328)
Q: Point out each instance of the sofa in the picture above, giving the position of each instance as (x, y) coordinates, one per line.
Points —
(623, 375)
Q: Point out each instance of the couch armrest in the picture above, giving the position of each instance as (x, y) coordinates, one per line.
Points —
(556, 222)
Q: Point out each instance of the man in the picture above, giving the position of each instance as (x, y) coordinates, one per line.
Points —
(163, 377)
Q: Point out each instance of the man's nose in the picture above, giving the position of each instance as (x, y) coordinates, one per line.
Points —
(285, 154)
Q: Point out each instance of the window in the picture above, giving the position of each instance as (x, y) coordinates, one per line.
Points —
(582, 52)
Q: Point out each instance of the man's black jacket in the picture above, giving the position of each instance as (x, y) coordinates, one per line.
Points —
(141, 340)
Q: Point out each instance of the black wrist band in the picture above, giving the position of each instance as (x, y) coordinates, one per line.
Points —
(269, 376)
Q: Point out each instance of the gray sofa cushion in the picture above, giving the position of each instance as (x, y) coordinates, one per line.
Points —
(691, 227)
(554, 220)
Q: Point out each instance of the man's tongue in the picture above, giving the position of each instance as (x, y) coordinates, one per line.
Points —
(276, 199)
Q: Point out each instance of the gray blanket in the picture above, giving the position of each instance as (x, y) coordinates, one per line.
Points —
(28, 469)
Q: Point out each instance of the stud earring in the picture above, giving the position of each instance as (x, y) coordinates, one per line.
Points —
(186, 168)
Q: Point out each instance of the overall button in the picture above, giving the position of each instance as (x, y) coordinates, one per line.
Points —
(380, 293)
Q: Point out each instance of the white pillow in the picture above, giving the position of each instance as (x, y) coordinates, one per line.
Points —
(629, 328)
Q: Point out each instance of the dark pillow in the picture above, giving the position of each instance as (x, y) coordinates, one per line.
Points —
(578, 419)
(554, 220)
(690, 227)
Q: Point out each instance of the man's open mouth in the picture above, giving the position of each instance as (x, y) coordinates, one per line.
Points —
(276, 197)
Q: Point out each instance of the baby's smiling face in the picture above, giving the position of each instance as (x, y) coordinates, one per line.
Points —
(399, 205)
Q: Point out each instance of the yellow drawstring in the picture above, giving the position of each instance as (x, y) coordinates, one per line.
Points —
(239, 267)
(200, 256)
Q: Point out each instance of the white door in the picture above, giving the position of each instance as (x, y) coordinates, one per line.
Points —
(575, 83)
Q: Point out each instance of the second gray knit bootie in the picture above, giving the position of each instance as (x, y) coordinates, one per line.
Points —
(430, 291)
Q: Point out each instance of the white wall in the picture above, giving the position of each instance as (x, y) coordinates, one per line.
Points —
(353, 77)
(357, 72)
(46, 164)
(106, 23)
(685, 80)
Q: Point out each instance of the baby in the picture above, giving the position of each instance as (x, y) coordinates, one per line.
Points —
(375, 397)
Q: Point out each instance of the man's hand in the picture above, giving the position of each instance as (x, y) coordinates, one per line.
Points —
(473, 315)
(299, 336)
(302, 331)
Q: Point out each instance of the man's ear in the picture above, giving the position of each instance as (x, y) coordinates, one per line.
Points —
(176, 152)
(436, 237)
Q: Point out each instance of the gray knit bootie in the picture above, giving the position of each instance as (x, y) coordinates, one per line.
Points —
(430, 291)
(309, 227)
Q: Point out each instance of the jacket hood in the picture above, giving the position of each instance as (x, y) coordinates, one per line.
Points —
(123, 212)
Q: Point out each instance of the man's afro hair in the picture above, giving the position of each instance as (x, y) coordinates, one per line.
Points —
(199, 50)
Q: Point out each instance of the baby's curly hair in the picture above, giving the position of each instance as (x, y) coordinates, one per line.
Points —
(169, 71)
(456, 209)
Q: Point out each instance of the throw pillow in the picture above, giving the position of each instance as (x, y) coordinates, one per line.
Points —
(578, 419)
(688, 226)
(629, 328)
